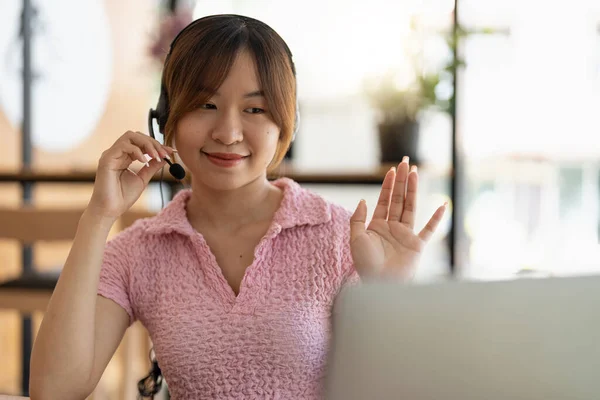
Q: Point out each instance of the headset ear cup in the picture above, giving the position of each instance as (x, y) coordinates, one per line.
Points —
(151, 116)
(162, 110)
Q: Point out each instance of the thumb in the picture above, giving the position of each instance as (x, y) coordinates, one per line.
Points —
(358, 220)
(146, 173)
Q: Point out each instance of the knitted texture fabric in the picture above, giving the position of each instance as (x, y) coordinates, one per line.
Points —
(269, 341)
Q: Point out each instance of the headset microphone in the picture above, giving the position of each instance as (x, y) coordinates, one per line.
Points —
(176, 170)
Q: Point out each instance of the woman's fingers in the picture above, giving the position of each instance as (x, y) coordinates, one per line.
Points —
(134, 152)
(433, 223)
(121, 155)
(152, 146)
(135, 146)
(162, 150)
(383, 204)
(398, 197)
(399, 193)
(358, 220)
(147, 172)
(410, 201)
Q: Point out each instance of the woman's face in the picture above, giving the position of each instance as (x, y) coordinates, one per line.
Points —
(229, 141)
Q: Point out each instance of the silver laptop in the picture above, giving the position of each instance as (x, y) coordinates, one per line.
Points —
(534, 339)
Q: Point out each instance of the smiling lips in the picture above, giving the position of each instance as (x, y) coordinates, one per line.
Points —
(226, 160)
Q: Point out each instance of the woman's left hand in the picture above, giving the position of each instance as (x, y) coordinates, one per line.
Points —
(389, 247)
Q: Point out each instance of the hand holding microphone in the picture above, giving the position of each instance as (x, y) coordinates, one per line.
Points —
(116, 186)
(175, 170)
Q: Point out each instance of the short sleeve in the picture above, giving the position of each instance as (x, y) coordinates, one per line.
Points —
(115, 274)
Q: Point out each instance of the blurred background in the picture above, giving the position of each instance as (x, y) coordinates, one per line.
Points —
(496, 101)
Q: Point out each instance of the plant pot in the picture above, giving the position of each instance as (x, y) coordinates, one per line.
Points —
(397, 140)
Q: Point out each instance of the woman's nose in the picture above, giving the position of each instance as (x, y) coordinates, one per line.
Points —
(228, 129)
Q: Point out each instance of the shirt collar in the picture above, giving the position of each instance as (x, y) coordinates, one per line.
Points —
(298, 207)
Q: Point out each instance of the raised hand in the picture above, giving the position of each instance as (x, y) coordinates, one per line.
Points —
(117, 187)
(389, 247)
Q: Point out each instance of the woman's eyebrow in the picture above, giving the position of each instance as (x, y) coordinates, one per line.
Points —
(256, 93)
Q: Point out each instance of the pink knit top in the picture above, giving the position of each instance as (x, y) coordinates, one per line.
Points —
(271, 340)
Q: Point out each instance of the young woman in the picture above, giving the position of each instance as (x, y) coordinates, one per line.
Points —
(236, 277)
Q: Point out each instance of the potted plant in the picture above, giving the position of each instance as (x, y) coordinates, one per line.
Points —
(398, 109)
(399, 106)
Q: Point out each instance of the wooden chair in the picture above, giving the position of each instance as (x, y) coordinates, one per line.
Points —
(31, 291)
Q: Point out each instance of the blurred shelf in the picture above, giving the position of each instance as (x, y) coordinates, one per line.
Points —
(24, 300)
(350, 177)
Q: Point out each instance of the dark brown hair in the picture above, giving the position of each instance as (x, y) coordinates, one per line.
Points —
(200, 61)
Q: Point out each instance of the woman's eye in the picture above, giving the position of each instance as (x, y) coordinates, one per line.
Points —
(255, 110)
(208, 106)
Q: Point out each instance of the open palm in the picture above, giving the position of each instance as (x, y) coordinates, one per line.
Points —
(389, 247)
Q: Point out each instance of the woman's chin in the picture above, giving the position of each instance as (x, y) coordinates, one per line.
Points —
(220, 182)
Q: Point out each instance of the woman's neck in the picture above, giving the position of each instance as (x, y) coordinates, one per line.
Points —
(230, 210)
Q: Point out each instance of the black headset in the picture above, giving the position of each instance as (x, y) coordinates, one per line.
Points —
(161, 113)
